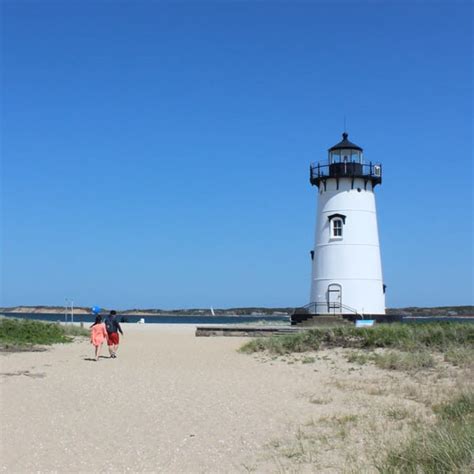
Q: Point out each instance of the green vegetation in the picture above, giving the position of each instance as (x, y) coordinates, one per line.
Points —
(405, 337)
(458, 410)
(460, 356)
(27, 333)
(445, 311)
(447, 446)
(285, 344)
(395, 360)
(397, 413)
(360, 358)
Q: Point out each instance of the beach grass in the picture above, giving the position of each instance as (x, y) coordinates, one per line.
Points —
(285, 344)
(25, 333)
(408, 361)
(440, 446)
(394, 359)
(446, 446)
(442, 337)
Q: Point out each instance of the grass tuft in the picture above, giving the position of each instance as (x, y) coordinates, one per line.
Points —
(460, 356)
(404, 360)
(448, 446)
(360, 358)
(397, 413)
(459, 409)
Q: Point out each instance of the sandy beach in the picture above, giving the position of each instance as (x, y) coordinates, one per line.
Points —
(173, 402)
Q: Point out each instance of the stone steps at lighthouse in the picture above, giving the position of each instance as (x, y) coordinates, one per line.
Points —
(324, 320)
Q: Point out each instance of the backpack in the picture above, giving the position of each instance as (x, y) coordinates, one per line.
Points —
(109, 325)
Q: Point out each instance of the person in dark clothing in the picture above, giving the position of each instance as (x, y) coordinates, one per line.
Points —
(113, 329)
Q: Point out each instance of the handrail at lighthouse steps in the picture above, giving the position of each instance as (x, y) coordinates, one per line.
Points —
(330, 306)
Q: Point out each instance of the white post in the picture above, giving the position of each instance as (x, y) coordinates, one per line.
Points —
(72, 311)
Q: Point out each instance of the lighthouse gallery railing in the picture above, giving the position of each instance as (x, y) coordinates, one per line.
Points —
(321, 171)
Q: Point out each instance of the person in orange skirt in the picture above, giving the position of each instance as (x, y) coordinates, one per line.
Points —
(98, 335)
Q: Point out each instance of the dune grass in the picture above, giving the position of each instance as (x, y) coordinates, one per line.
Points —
(409, 361)
(285, 344)
(394, 359)
(26, 333)
(447, 446)
(460, 356)
(406, 337)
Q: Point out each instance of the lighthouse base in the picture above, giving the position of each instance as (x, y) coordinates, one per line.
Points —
(302, 318)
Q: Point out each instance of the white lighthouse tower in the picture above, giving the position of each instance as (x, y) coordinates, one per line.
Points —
(346, 265)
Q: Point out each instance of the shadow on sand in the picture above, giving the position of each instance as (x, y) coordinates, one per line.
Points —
(91, 359)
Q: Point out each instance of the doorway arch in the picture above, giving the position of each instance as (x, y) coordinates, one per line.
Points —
(334, 298)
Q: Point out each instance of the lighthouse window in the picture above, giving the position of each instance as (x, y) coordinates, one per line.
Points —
(337, 227)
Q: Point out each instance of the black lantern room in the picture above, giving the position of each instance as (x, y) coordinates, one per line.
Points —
(345, 160)
(345, 152)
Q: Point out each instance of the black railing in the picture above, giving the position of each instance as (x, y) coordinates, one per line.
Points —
(328, 307)
(349, 169)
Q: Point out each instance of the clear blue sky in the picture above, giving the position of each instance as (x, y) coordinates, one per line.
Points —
(157, 154)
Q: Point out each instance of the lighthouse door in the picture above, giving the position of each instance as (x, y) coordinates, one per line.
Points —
(334, 298)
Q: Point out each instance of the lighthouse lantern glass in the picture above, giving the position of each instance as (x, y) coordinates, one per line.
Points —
(345, 156)
(334, 157)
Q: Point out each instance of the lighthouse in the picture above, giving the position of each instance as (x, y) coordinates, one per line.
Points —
(346, 265)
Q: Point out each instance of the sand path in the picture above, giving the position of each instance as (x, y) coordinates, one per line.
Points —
(170, 402)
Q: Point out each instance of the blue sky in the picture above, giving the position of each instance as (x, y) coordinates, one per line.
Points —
(156, 154)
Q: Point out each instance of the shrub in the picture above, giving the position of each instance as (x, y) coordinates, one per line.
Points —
(24, 332)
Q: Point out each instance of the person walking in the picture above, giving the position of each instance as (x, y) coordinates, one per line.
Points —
(113, 329)
(98, 335)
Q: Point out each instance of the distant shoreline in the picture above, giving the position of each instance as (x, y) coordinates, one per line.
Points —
(150, 315)
(138, 315)
(445, 311)
(137, 312)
